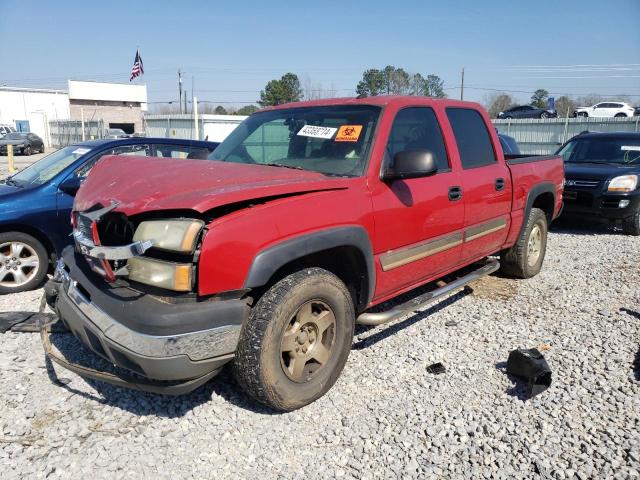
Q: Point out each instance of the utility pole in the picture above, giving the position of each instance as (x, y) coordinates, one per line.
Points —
(195, 118)
(180, 89)
(462, 86)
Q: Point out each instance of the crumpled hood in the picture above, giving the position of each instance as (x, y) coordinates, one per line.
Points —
(141, 184)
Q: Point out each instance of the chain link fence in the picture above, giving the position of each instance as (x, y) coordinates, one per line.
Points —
(544, 136)
(68, 132)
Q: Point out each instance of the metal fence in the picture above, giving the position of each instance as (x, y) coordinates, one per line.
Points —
(544, 136)
(68, 132)
(211, 127)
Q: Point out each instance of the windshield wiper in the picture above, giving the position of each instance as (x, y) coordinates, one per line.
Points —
(281, 165)
(11, 181)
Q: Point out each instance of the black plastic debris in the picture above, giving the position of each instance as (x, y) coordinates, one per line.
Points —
(530, 366)
(436, 368)
(28, 322)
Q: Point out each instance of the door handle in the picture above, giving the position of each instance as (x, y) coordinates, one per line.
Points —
(499, 184)
(455, 193)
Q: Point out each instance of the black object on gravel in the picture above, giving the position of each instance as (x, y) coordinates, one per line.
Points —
(531, 366)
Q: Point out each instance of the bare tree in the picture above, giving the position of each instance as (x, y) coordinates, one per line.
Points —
(498, 102)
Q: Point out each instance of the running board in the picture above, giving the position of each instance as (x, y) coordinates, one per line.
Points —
(380, 318)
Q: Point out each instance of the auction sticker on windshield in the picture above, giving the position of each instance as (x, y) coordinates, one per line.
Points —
(81, 151)
(316, 131)
(349, 133)
(634, 148)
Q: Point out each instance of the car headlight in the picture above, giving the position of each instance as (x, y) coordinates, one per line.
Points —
(174, 235)
(161, 274)
(624, 183)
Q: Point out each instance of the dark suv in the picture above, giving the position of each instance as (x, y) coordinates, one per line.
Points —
(602, 171)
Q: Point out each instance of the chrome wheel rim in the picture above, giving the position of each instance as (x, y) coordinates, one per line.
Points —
(307, 341)
(534, 246)
(18, 264)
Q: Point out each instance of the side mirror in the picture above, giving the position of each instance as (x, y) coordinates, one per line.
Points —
(70, 185)
(411, 164)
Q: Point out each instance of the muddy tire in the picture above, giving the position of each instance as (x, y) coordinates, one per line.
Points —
(631, 225)
(296, 340)
(524, 259)
(23, 262)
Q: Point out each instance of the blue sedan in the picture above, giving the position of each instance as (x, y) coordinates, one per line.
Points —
(35, 203)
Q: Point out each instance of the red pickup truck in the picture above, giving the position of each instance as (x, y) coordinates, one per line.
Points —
(307, 215)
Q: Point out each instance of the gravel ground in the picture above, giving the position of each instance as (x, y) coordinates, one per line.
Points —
(386, 416)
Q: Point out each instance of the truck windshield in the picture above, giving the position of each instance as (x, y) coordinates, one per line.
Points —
(45, 169)
(602, 150)
(334, 140)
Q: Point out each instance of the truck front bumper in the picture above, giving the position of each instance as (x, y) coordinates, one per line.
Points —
(160, 341)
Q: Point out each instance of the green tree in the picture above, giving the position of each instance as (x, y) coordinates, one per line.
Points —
(434, 87)
(372, 83)
(396, 81)
(220, 110)
(246, 110)
(285, 90)
(539, 98)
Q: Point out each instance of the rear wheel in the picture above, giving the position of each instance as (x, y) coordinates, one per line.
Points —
(297, 340)
(631, 225)
(544, 115)
(23, 262)
(524, 259)
(620, 115)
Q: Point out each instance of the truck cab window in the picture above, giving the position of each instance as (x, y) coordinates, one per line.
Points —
(417, 128)
(472, 137)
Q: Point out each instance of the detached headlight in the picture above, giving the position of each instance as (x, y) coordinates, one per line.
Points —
(174, 235)
(169, 275)
(624, 183)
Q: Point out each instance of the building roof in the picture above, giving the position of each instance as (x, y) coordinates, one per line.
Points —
(32, 90)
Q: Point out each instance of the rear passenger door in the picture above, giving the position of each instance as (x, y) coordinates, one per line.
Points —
(486, 184)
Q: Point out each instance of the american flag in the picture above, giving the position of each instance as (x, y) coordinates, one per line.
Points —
(137, 68)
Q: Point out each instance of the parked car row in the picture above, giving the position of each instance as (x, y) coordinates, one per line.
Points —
(599, 110)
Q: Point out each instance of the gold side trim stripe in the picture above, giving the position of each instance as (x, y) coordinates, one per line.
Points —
(397, 258)
(484, 229)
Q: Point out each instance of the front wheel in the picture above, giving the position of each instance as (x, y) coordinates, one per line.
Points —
(583, 114)
(544, 115)
(27, 150)
(23, 262)
(631, 225)
(524, 259)
(296, 340)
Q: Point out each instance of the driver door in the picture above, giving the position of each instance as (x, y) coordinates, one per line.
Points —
(418, 221)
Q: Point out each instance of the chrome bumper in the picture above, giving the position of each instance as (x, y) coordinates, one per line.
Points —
(199, 345)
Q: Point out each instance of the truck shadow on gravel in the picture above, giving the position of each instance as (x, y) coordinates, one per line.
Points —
(636, 360)
(393, 328)
(142, 403)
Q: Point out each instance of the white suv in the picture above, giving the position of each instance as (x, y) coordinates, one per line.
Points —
(606, 109)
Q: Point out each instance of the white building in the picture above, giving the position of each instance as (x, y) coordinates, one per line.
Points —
(116, 105)
(30, 109)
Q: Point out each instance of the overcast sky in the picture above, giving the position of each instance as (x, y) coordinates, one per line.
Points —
(232, 48)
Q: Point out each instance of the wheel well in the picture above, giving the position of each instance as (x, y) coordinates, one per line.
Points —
(35, 233)
(545, 202)
(346, 262)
